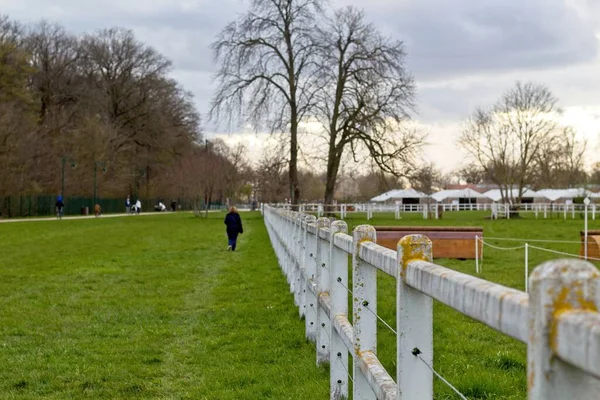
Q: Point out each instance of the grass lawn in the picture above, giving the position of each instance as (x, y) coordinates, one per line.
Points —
(148, 307)
(154, 307)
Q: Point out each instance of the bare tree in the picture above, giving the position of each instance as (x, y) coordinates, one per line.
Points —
(365, 96)
(471, 173)
(560, 162)
(427, 179)
(265, 61)
(507, 139)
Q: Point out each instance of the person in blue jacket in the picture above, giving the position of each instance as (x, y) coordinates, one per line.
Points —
(234, 227)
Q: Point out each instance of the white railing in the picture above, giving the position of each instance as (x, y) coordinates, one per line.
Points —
(498, 210)
(558, 319)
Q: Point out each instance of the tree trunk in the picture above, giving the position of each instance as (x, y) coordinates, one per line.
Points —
(293, 172)
(333, 166)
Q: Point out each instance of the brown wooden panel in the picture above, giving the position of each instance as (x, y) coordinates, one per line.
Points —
(593, 246)
(448, 242)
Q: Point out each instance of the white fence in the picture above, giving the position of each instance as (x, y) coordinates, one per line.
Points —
(498, 210)
(558, 319)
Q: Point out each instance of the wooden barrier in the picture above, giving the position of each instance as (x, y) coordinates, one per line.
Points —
(593, 250)
(448, 241)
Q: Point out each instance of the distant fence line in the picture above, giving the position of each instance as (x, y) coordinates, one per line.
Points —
(435, 210)
(557, 320)
(44, 205)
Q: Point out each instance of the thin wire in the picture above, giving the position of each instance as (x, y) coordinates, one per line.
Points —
(347, 372)
(462, 396)
(379, 318)
(340, 282)
(563, 253)
(531, 240)
(500, 248)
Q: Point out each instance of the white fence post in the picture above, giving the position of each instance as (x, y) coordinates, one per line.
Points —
(322, 278)
(364, 283)
(304, 277)
(338, 278)
(397, 213)
(425, 211)
(556, 287)
(414, 324)
(311, 298)
(298, 252)
(477, 254)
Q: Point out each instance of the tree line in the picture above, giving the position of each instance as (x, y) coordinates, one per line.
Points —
(82, 105)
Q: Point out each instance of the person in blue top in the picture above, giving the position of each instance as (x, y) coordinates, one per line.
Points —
(234, 227)
(59, 207)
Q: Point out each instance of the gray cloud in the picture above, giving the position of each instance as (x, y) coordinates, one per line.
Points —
(463, 53)
(447, 38)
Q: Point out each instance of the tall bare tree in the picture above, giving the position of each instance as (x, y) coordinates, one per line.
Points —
(506, 139)
(265, 60)
(365, 96)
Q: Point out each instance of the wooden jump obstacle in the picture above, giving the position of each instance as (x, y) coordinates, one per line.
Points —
(448, 241)
(593, 250)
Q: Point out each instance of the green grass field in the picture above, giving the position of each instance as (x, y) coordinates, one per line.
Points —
(148, 307)
(154, 307)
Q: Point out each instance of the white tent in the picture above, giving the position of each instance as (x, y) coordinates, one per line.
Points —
(496, 195)
(398, 194)
(555, 194)
(457, 194)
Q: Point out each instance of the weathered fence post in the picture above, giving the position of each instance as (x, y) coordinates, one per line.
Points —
(306, 259)
(558, 287)
(322, 279)
(297, 253)
(338, 278)
(310, 270)
(414, 324)
(364, 288)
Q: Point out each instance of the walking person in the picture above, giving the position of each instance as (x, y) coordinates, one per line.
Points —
(60, 205)
(128, 206)
(234, 227)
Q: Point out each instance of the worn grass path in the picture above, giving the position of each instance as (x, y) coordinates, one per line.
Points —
(151, 308)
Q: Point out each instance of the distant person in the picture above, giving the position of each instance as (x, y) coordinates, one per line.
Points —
(138, 206)
(234, 227)
(97, 210)
(173, 206)
(60, 205)
(128, 206)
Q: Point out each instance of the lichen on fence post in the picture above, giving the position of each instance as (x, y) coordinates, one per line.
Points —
(364, 288)
(414, 323)
(555, 288)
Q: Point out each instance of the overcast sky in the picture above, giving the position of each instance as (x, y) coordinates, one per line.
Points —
(462, 53)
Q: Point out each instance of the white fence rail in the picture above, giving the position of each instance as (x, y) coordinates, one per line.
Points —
(433, 210)
(558, 320)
